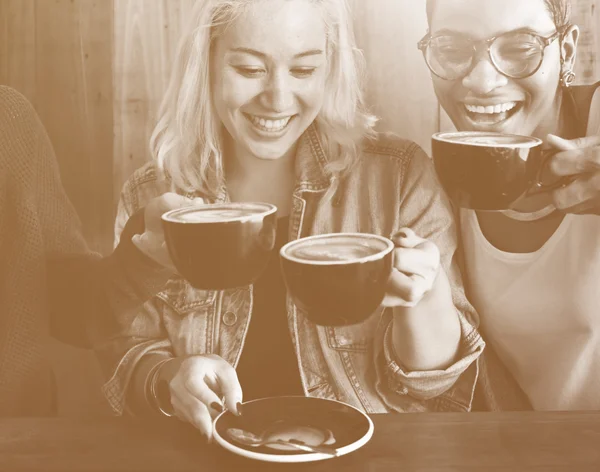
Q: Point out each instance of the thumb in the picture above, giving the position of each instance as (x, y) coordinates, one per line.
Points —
(406, 238)
(198, 201)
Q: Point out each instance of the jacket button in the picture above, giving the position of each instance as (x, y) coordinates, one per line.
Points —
(229, 318)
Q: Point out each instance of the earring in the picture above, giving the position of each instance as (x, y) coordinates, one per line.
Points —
(567, 77)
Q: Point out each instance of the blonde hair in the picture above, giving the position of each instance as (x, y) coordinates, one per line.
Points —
(187, 140)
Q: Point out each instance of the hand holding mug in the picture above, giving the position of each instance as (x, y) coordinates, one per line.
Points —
(152, 241)
(416, 266)
(197, 384)
(580, 159)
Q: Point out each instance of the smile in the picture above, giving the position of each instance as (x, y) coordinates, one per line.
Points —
(268, 125)
(491, 114)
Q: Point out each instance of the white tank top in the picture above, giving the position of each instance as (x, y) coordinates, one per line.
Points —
(541, 311)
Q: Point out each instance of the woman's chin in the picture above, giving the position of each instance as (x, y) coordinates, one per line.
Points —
(271, 154)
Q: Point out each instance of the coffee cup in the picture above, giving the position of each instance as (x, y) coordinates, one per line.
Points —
(337, 279)
(490, 171)
(223, 245)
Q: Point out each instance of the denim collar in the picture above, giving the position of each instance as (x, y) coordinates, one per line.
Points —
(311, 161)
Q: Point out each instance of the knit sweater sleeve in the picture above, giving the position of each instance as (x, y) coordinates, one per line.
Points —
(85, 292)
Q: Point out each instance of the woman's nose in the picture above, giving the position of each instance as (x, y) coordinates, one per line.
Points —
(484, 78)
(278, 96)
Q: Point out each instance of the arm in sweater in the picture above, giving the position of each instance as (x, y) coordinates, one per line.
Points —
(85, 294)
(88, 294)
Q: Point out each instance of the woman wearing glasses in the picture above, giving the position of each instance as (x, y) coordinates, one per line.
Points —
(532, 274)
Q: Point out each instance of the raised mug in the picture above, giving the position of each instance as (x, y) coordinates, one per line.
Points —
(223, 245)
(337, 279)
(490, 171)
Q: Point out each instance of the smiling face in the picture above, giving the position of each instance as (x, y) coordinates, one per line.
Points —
(268, 75)
(485, 99)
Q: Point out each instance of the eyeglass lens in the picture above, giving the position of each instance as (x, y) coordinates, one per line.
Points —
(515, 55)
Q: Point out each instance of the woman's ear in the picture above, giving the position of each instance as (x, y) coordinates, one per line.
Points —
(569, 47)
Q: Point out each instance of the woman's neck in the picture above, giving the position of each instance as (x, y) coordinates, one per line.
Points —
(554, 123)
(250, 178)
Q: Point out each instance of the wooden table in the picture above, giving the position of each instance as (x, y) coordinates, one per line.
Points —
(444, 442)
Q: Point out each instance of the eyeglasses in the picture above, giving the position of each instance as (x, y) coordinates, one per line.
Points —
(515, 54)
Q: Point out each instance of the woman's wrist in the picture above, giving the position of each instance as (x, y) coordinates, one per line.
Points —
(157, 388)
(427, 336)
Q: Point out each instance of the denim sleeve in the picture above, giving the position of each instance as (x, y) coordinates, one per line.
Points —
(427, 210)
(142, 335)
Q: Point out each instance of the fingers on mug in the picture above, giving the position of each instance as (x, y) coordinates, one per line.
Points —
(539, 186)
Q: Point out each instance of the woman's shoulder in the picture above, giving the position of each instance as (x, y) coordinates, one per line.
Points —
(390, 145)
(143, 184)
(389, 149)
(148, 174)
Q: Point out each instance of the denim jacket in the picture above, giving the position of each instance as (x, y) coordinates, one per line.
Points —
(392, 186)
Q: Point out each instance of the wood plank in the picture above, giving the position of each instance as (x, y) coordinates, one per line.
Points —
(17, 46)
(399, 87)
(74, 90)
(145, 37)
(418, 442)
(586, 14)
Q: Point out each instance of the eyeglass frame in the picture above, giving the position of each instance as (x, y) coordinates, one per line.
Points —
(545, 41)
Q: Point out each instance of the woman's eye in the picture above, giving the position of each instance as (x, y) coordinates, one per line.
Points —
(452, 55)
(520, 51)
(302, 72)
(250, 72)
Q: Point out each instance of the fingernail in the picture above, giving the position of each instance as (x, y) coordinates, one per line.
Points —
(216, 406)
(238, 408)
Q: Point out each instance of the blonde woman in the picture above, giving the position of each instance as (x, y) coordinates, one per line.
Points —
(265, 104)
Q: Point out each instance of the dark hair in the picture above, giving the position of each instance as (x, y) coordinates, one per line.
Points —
(559, 9)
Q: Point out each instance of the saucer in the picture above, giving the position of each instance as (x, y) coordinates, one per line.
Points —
(314, 421)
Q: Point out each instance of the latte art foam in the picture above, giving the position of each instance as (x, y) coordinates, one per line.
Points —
(333, 252)
(202, 216)
(336, 249)
(489, 139)
(219, 213)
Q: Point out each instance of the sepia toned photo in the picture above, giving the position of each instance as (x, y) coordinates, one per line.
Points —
(313, 235)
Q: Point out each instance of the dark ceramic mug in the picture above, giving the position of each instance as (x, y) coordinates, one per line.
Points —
(490, 171)
(337, 279)
(223, 245)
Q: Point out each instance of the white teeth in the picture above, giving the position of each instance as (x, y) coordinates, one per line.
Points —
(269, 125)
(491, 109)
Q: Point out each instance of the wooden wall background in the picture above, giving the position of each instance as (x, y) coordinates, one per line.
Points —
(95, 70)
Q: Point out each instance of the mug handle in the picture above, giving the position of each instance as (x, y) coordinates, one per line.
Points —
(541, 187)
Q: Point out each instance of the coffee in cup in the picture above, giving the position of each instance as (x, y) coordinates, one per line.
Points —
(489, 171)
(337, 279)
(223, 245)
